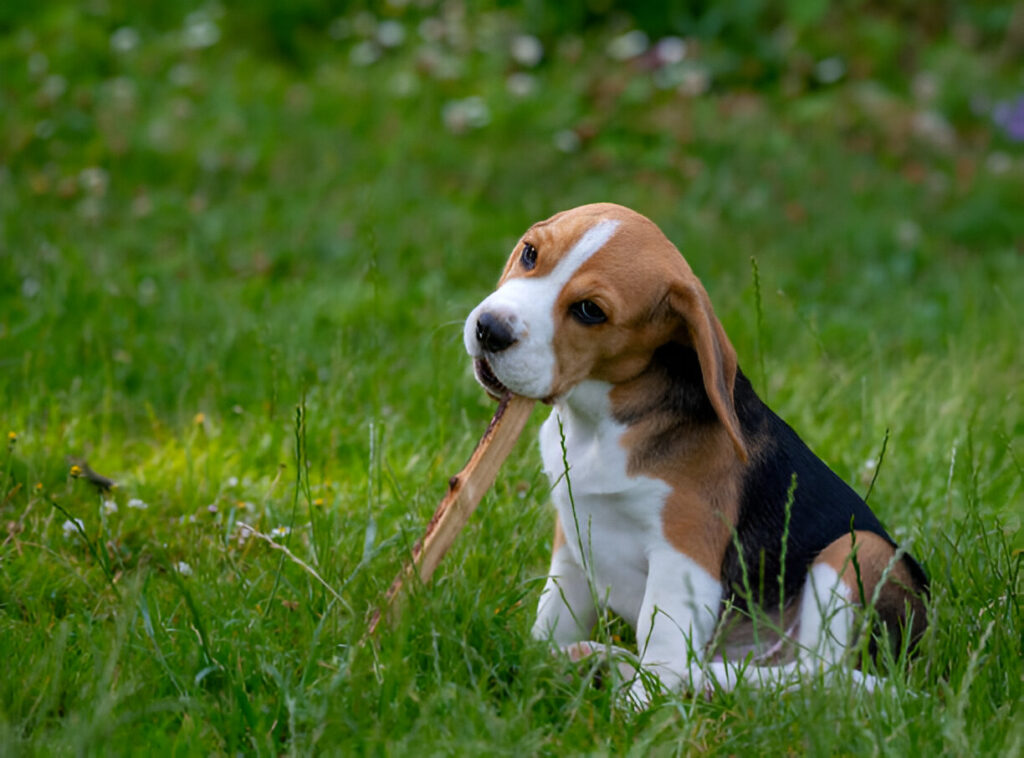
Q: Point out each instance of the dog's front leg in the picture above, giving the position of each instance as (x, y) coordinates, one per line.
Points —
(676, 622)
(566, 612)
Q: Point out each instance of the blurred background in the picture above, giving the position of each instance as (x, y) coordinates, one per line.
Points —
(222, 208)
(181, 174)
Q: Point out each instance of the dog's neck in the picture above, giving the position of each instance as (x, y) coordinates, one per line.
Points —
(671, 382)
(588, 403)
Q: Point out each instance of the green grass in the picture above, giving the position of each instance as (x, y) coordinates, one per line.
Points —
(266, 234)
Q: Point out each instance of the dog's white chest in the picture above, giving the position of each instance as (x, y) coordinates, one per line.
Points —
(611, 520)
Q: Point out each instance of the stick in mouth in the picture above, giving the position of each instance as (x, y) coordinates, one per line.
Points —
(465, 490)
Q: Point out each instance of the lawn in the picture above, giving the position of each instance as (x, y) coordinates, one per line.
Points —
(237, 243)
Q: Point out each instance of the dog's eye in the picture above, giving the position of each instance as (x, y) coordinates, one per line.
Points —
(587, 312)
(529, 256)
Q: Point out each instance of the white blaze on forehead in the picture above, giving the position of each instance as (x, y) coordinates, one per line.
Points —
(592, 241)
(527, 305)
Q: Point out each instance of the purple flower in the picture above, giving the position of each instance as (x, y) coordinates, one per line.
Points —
(1009, 115)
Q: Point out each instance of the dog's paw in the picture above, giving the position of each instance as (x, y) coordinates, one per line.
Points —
(639, 686)
(638, 694)
(603, 657)
(648, 684)
(577, 651)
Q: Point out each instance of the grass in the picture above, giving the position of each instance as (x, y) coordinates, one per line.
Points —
(234, 282)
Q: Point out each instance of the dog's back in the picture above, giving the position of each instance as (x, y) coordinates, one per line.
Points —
(788, 490)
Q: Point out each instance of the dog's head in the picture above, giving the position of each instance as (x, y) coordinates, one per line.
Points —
(591, 293)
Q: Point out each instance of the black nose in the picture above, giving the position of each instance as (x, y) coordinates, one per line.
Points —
(493, 333)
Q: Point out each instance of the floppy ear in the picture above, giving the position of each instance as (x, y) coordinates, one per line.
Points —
(714, 351)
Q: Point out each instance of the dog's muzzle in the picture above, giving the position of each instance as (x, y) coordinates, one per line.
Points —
(507, 355)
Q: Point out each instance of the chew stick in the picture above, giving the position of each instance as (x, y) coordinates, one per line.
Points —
(465, 491)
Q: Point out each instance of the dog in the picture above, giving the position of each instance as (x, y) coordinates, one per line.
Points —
(683, 503)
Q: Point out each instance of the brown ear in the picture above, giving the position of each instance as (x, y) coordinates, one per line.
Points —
(714, 351)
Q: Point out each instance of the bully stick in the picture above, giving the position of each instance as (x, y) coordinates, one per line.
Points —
(465, 491)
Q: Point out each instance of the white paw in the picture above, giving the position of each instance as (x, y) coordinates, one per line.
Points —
(637, 695)
(577, 651)
(648, 684)
(624, 661)
(622, 658)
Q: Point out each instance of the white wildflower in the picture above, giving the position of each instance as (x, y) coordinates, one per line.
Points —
(54, 86)
(147, 291)
(280, 531)
(182, 75)
(94, 180)
(470, 113)
(183, 568)
(45, 129)
(364, 53)
(527, 50)
(628, 45)
(122, 91)
(138, 504)
(999, 162)
(926, 86)
(390, 33)
(520, 84)
(670, 50)
(934, 128)
(30, 287)
(124, 40)
(829, 70)
(73, 527)
(695, 81)
(200, 31)
(403, 84)
(109, 507)
(567, 141)
(907, 233)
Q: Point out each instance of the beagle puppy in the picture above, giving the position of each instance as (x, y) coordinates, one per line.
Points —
(683, 503)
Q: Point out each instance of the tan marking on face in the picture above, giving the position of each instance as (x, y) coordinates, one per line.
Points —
(619, 349)
(554, 238)
(627, 278)
(650, 296)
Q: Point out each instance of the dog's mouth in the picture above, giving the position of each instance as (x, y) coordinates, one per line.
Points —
(491, 383)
